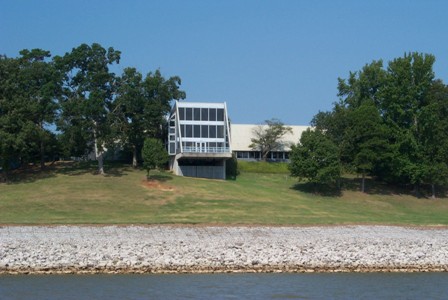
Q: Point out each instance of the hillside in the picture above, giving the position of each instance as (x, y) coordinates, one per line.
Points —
(72, 194)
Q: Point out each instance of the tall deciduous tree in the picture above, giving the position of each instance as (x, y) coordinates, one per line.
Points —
(365, 140)
(315, 158)
(12, 137)
(434, 136)
(39, 87)
(141, 107)
(29, 86)
(404, 96)
(88, 95)
(268, 137)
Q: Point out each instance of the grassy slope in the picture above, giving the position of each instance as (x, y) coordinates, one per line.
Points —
(75, 195)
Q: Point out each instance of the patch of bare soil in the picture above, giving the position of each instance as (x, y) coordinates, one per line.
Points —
(155, 184)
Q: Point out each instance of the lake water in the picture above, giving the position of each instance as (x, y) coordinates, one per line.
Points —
(227, 286)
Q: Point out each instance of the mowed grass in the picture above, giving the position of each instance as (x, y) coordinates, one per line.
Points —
(73, 194)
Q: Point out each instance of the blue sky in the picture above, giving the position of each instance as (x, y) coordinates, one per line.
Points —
(266, 59)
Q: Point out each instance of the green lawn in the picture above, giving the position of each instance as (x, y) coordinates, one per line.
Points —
(74, 195)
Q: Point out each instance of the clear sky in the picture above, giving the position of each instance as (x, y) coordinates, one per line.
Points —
(266, 59)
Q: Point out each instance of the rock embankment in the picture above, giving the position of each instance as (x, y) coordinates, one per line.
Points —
(158, 249)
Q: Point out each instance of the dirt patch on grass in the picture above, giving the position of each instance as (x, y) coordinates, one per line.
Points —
(157, 185)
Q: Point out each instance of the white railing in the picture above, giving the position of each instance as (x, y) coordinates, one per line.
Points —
(206, 149)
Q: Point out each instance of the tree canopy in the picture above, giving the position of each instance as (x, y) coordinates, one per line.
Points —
(73, 105)
(268, 137)
(390, 123)
(315, 158)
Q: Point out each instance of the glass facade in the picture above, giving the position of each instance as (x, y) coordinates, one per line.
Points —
(201, 128)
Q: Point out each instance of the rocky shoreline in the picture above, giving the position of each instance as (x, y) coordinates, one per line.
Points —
(199, 249)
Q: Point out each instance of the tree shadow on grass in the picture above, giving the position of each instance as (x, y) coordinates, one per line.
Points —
(32, 172)
(74, 168)
(319, 189)
(29, 174)
(161, 177)
(375, 187)
(372, 187)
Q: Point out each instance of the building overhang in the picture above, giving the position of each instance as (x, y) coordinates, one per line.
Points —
(198, 155)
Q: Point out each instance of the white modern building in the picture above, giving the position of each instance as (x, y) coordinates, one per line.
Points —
(242, 135)
(199, 139)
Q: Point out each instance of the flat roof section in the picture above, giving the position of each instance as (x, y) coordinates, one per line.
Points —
(242, 134)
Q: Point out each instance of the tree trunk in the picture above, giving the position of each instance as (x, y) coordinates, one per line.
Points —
(433, 188)
(134, 157)
(42, 154)
(99, 158)
(98, 153)
(363, 182)
(42, 146)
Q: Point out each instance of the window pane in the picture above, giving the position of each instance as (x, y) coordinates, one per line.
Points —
(204, 114)
(182, 130)
(172, 148)
(197, 131)
(197, 114)
(204, 129)
(220, 114)
(172, 137)
(181, 113)
(172, 130)
(220, 131)
(189, 114)
(189, 130)
(212, 131)
(212, 114)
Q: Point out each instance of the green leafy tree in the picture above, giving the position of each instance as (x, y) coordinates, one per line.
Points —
(365, 140)
(268, 137)
(88, 95)
(39, 87)
(434, 136)
(141, 107)
(154, 154)
(232, 167)
(29, 86)
(315, 158)
(13, 140)
(404, 97)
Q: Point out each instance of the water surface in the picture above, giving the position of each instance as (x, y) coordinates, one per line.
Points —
(227, 286)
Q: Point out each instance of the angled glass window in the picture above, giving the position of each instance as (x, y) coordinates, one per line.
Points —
(181, 113)
(197, 114)
(204, 114)
(212, 116)
(204, 131)
(220, 116)
(197, 131)
(188, 131)
(189, 114)
(220, 133)
(182, 130)
(212, 131)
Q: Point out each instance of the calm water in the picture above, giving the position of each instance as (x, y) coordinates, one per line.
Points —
(227, 286)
